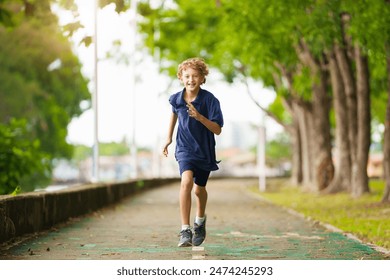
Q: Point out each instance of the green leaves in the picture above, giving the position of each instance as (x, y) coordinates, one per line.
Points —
(49, 99)
(260, 34)
(70, 28)
(120, 5)
(19, 156)
(41, 82)
(5, 15)
(278, 151)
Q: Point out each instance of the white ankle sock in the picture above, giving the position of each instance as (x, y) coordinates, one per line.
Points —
(199, 220)
(184, 227)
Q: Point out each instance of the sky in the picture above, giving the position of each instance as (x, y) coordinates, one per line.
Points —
(117, 93)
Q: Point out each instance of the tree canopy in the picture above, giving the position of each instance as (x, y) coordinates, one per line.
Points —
(40, 77)
(325, 59)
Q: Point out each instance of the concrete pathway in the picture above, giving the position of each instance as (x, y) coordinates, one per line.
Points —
(240, 226)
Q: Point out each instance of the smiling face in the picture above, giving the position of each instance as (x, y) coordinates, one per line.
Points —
(191, 79)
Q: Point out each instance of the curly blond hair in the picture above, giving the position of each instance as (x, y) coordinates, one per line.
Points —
(194, 63)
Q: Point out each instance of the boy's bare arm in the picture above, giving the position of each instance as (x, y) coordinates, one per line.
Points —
(212, 126)
(171, 128)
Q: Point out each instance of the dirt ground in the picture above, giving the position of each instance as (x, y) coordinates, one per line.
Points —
(240, 226)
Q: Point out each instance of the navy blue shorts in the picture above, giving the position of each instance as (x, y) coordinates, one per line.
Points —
(200, 176)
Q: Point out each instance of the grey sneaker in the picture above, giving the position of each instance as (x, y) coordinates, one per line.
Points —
(199, 233)
(185, 238)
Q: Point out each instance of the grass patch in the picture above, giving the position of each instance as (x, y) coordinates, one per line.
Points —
(364, 217)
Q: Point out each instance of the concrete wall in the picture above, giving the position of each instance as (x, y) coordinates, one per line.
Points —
(36, 211)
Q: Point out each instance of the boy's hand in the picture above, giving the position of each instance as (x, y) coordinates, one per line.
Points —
(165, 150)
(192, 112)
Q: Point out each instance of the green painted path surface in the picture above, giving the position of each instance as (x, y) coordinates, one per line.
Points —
(240, 226)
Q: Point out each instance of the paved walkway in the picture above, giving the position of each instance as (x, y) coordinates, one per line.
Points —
(240, 226)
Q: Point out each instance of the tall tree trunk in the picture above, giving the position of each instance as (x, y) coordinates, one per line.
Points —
(350, 92)
(345, 55)
(294, 129)
(304, 117)
(386, 149)
(296, 172)
(359, 168)
(323, 164)
(342, 178)
(358, 103)
(296, 141)
(386, 144)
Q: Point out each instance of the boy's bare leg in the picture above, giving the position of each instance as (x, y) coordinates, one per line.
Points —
(201, 200)
(200, 221)
(187, 182)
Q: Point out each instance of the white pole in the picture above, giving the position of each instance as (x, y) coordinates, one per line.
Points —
(95, 159)
(134, 93)
(261, 155)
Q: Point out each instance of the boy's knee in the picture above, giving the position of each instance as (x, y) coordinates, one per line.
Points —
(200, 191)
(186, 184)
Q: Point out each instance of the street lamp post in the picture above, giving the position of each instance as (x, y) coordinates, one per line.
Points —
(261, 155)
(95, 157)
(134, 91)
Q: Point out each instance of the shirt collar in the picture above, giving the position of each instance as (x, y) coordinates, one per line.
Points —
(181, 101)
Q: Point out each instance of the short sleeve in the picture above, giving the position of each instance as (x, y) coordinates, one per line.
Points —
(172, 101)
(215, 112)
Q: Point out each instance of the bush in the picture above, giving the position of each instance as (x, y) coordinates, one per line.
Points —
(19, 157)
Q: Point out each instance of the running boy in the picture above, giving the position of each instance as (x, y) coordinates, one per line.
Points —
(200, 117)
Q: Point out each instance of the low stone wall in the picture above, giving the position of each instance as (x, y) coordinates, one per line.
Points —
(37, 211)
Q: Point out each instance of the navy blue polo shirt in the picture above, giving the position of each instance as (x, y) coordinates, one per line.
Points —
(194, 142)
